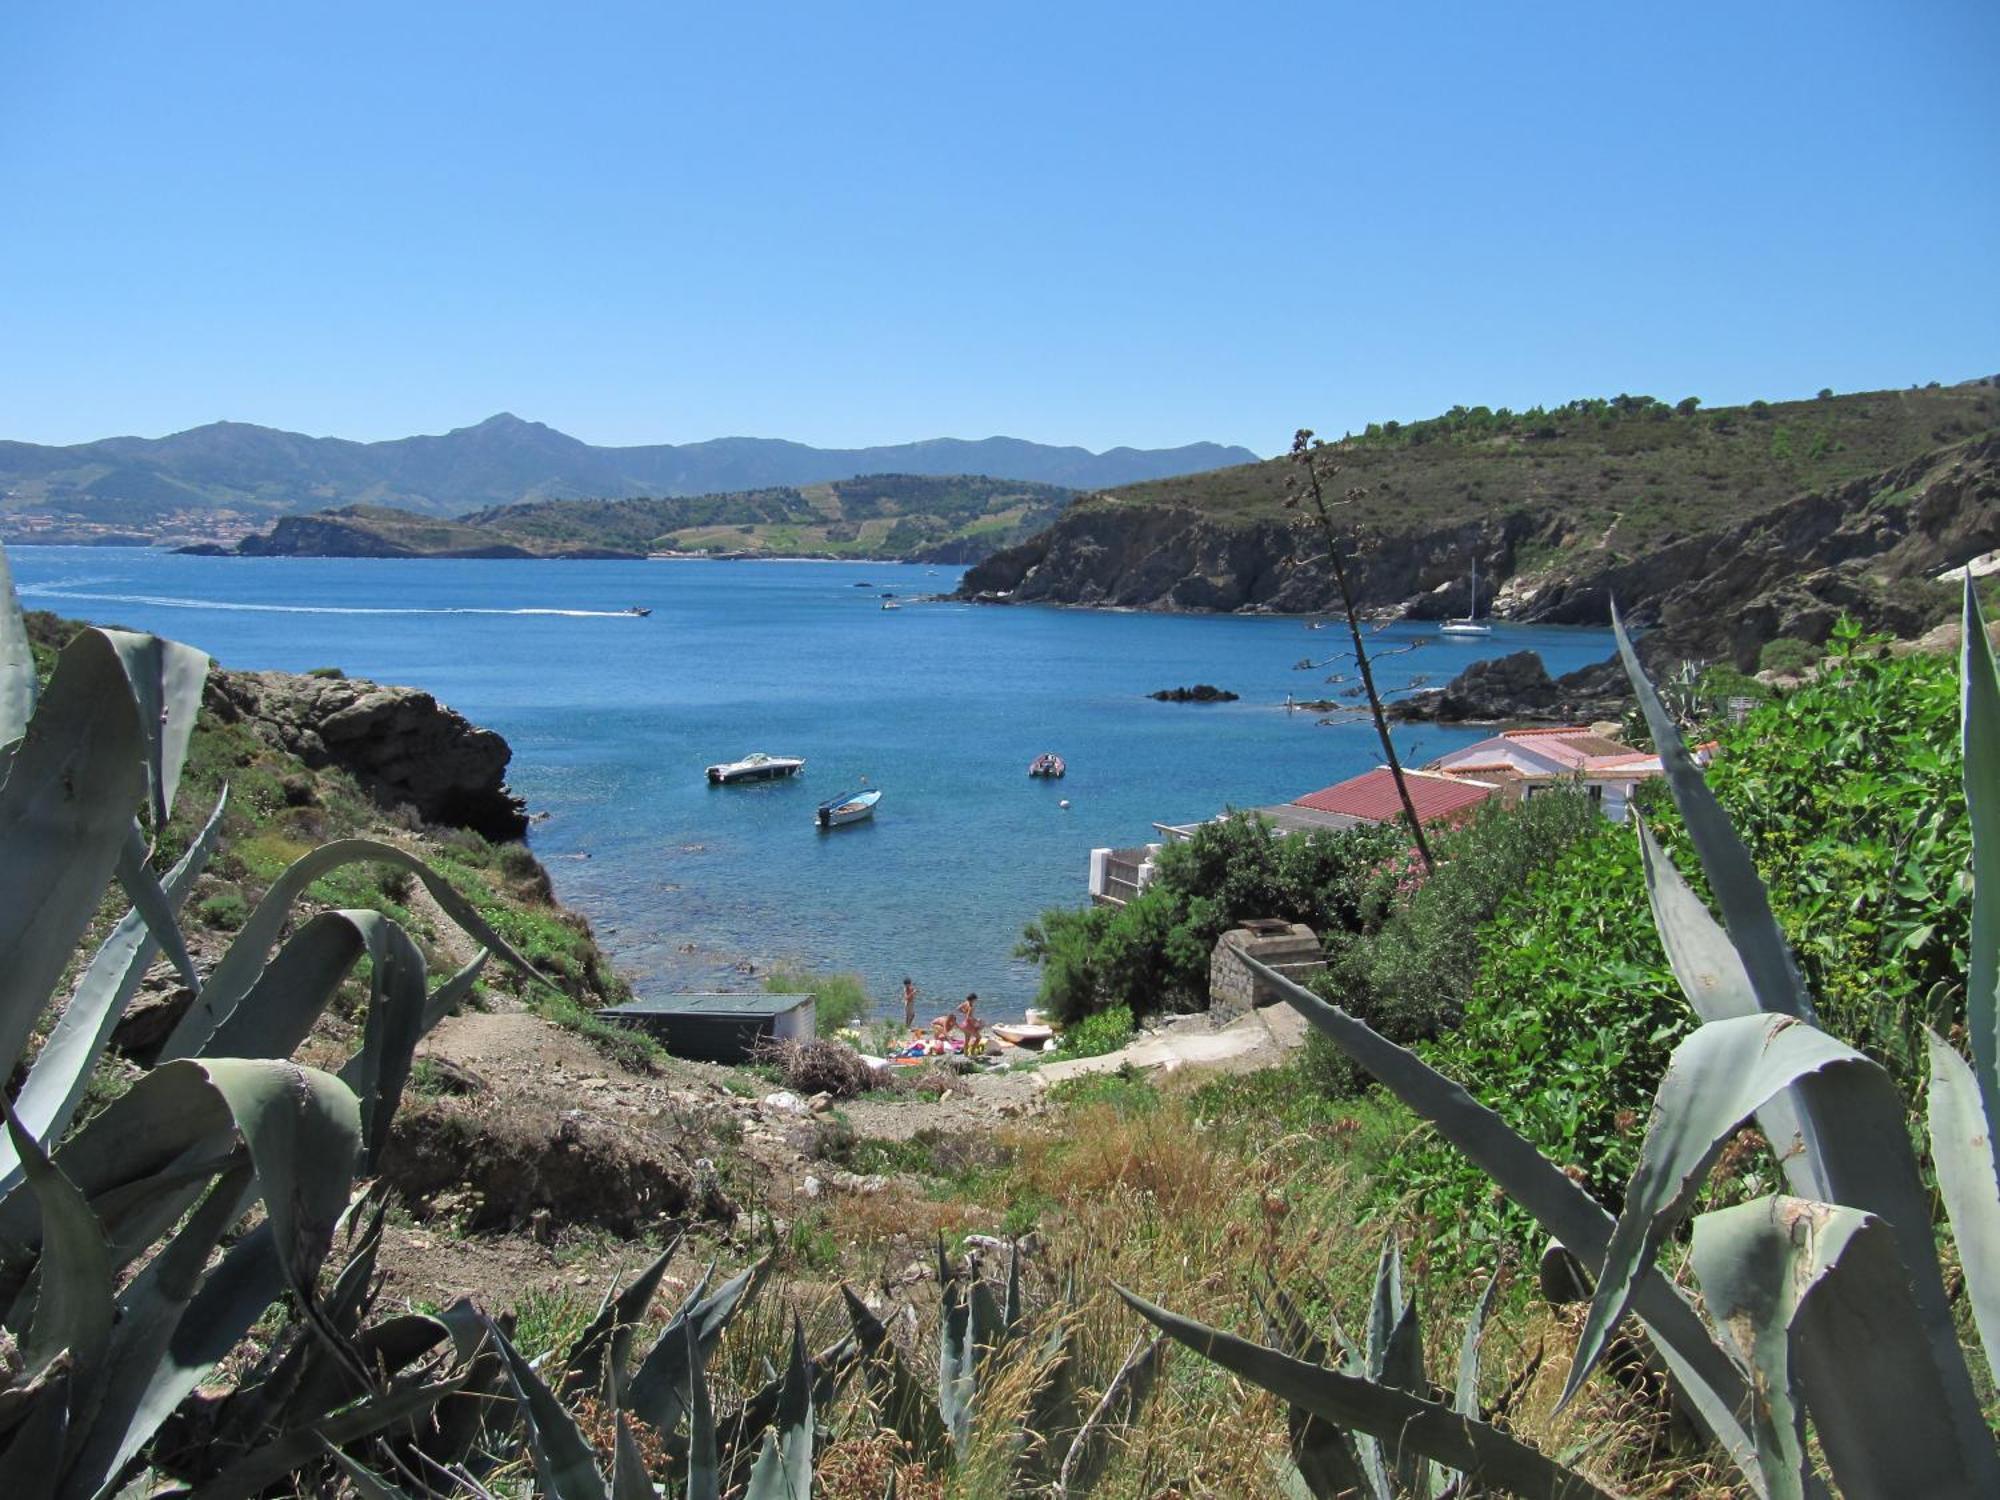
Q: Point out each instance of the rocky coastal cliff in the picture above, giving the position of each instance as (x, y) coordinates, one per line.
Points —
(1720, 592)
(400, 744)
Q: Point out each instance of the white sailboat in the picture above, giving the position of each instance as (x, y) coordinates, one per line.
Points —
(1470, 625)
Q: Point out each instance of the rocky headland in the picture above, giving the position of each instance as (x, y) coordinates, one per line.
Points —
(400, 744)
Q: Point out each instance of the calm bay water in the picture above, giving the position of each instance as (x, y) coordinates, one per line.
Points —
(942, 706)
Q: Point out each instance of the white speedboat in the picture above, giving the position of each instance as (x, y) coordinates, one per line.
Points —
(1471, 624)
(852, 808)
(756, 767)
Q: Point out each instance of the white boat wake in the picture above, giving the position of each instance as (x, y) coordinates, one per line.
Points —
(168, 601)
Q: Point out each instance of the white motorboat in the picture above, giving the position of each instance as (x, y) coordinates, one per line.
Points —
(756, 766)
(1471, 624)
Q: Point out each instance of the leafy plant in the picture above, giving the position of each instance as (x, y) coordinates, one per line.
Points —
(1095, 1035)
(109, 1233)
(988, 1343)
(1824, 1303)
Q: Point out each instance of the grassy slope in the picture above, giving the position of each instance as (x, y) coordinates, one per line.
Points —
(1653, 473)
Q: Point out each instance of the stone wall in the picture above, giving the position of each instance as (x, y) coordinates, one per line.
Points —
(1291, 948)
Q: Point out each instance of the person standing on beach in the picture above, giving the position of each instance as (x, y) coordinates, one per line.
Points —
(909, 1002)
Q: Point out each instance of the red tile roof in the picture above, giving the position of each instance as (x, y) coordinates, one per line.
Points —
(1372, 796)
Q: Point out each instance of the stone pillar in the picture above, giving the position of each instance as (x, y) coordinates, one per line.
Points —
(1291, 948)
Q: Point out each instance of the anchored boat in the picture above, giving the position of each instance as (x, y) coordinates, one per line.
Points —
(853, 808)
(1470, 625)
(756, 766)
(1049, 764)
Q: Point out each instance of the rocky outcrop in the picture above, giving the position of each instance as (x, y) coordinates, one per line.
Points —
(1201, 692)
(401, 744)
(370, 531)
(1519, 688)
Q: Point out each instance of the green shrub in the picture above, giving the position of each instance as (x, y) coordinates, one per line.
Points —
(1789, 655)
(225, 910)
(1846, 793)
(1095, 1035)
(1152, 954)
(1410, 976)
(839, 1000)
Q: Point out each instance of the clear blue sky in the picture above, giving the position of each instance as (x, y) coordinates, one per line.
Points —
(852, 223)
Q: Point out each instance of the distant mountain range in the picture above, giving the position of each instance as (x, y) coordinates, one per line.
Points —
(261, 471)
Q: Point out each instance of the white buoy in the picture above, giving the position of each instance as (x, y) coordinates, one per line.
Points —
(1063, 803)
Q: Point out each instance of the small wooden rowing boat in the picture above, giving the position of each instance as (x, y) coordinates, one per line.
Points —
(1020, 1034)
(852, 808)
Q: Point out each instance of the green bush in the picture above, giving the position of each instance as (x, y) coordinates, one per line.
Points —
(1152, 954)
(1846, 793)
(225, 911)
(1095, 1035)
(1409, 974)
(839, 1000)
(1789, 655)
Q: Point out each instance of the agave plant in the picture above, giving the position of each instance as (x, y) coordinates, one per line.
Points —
(1329, 1461)
(1064, 1447)
(1824, 1344)
(109, 1232)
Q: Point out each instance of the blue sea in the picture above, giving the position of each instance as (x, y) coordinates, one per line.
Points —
(940, 705)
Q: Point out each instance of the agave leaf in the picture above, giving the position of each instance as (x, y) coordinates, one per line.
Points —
(1485, 1454)
(73, 1310)
(367, 1484)
(597, 1349)
(1746, 908)
(149, 898)
(1980, 687)
(445, 998)
(174, 1326)
(233, 977)
(1962, 1150)
(565, 1464)
(661, 1386)
(1385, 1308)
(255, 1472)
(704, 1468)
(61, 1073)
(784, 1466)
(1717, 986)
(956, 1356)
(1465, 1400)
(629, 1480)
(165, 680)
(32, 1463)
(1010, 1313)
(1814, 1297)
(1717, 1078)
(900, 1399)
(18, 684)
(64, 812)
(1710, 1382)
(394, 1026)
(1090, 1453)
(1327, 1462)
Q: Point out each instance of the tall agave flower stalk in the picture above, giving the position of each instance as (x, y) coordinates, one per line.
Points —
(1824, 1338)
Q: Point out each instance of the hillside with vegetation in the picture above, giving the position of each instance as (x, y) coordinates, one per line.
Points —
(1769, 520)
(158, 485)
(931, 518)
